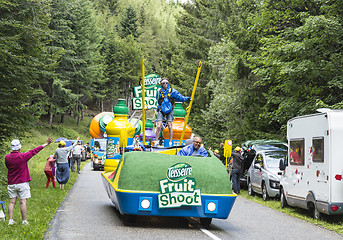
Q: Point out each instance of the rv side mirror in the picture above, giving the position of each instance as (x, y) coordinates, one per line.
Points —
(282, 164)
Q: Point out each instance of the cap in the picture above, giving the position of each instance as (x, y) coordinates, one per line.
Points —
(164, 80)
(238, 149)
(62, 143)
(216, 151)
(15, 145)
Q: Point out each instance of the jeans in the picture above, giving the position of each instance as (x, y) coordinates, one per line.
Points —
(76, 159)
(236, 175)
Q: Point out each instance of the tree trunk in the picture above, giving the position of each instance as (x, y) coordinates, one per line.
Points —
(50, 118)
(62, 118)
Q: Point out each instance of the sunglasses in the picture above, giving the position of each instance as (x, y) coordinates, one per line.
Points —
(164, 83)
(197, 142)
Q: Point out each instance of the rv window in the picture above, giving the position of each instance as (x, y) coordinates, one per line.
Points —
(318, 149)
(296, 154)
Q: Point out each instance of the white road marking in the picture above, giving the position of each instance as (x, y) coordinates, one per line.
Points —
(208, 233)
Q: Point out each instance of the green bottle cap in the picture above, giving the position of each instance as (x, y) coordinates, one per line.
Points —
(121, 108)
(149, 124)
(179, 111)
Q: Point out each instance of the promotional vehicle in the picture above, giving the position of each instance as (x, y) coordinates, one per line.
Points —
(160, 184)
(263, 173)
(312, 176)
(98, 153)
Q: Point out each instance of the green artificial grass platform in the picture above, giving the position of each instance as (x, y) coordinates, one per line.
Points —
(143, 170)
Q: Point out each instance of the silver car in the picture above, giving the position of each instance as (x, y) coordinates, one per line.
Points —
(263, 175)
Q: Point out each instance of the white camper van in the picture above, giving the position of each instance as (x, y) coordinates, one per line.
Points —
(312, 174)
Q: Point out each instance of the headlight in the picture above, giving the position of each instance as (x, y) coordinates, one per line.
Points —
(145, 204)
(211, 206)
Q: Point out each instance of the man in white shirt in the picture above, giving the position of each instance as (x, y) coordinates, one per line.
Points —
(77, 151)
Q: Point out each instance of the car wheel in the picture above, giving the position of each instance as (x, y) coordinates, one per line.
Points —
(250, 190)
(265, 195)
(205, 222)
(315, 213)
(283, 200)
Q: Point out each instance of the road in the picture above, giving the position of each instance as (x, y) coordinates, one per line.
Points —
(88, 213)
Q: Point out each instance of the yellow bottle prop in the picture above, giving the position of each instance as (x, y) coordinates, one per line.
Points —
(116, 142)
(178, 125)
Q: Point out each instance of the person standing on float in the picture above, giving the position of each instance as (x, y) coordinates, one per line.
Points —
(166, 97)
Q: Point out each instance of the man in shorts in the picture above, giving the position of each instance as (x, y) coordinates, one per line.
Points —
(166, 97)
(19, 176)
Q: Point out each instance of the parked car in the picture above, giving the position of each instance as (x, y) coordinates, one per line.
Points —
(263, 175)
(249, 149)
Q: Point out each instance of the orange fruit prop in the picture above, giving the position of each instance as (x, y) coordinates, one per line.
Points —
(94, 128)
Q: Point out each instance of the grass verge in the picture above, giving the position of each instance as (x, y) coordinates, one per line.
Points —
(333, 223)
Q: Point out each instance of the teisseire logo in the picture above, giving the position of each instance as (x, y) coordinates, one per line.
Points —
(178, 189)
(179, 171)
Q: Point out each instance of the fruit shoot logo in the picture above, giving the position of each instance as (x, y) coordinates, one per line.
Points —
(178, 189)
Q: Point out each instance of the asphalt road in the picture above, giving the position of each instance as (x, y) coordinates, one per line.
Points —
(88, 213)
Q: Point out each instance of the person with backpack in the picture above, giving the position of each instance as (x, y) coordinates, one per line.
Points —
(166, 98)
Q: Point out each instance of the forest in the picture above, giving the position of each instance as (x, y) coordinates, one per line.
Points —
(263, 62)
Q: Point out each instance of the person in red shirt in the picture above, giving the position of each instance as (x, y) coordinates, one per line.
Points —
(48, 170)
(19, 176)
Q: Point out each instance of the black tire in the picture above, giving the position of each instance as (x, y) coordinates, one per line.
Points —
(205, 222)
(250, 190)
(265, 195)
(129, 219)
(283, 200)
(315, 213)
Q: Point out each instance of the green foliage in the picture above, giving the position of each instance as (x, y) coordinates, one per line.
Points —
(128, 24)
(22, 62)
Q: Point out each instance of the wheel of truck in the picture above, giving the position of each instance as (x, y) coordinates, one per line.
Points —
(205, 222)
(283, 200)
(129, 219)
(250, 190)
(265, 195)
(315, 213)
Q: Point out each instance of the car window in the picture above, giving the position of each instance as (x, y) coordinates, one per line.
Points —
(259, 159)
(273, 158)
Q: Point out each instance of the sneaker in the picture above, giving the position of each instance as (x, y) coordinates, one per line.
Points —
(11, 222)
(25, 222)
(170, 144)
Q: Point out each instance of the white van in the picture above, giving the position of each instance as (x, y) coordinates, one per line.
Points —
(312, 174)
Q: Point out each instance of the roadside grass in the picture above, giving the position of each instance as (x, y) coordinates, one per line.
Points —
(333, 223)
(43, 204)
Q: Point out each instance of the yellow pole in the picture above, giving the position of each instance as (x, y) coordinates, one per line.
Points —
(143, 101)
(191, 102)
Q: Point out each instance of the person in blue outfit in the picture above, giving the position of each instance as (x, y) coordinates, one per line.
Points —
(194, 149)
(166, 97)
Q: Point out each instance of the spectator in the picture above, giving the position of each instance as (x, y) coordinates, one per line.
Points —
(61, 156)
(166, 97)
(194, 149)
(48, 171)
(19, 177)
(237, 169)
(76, 157)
